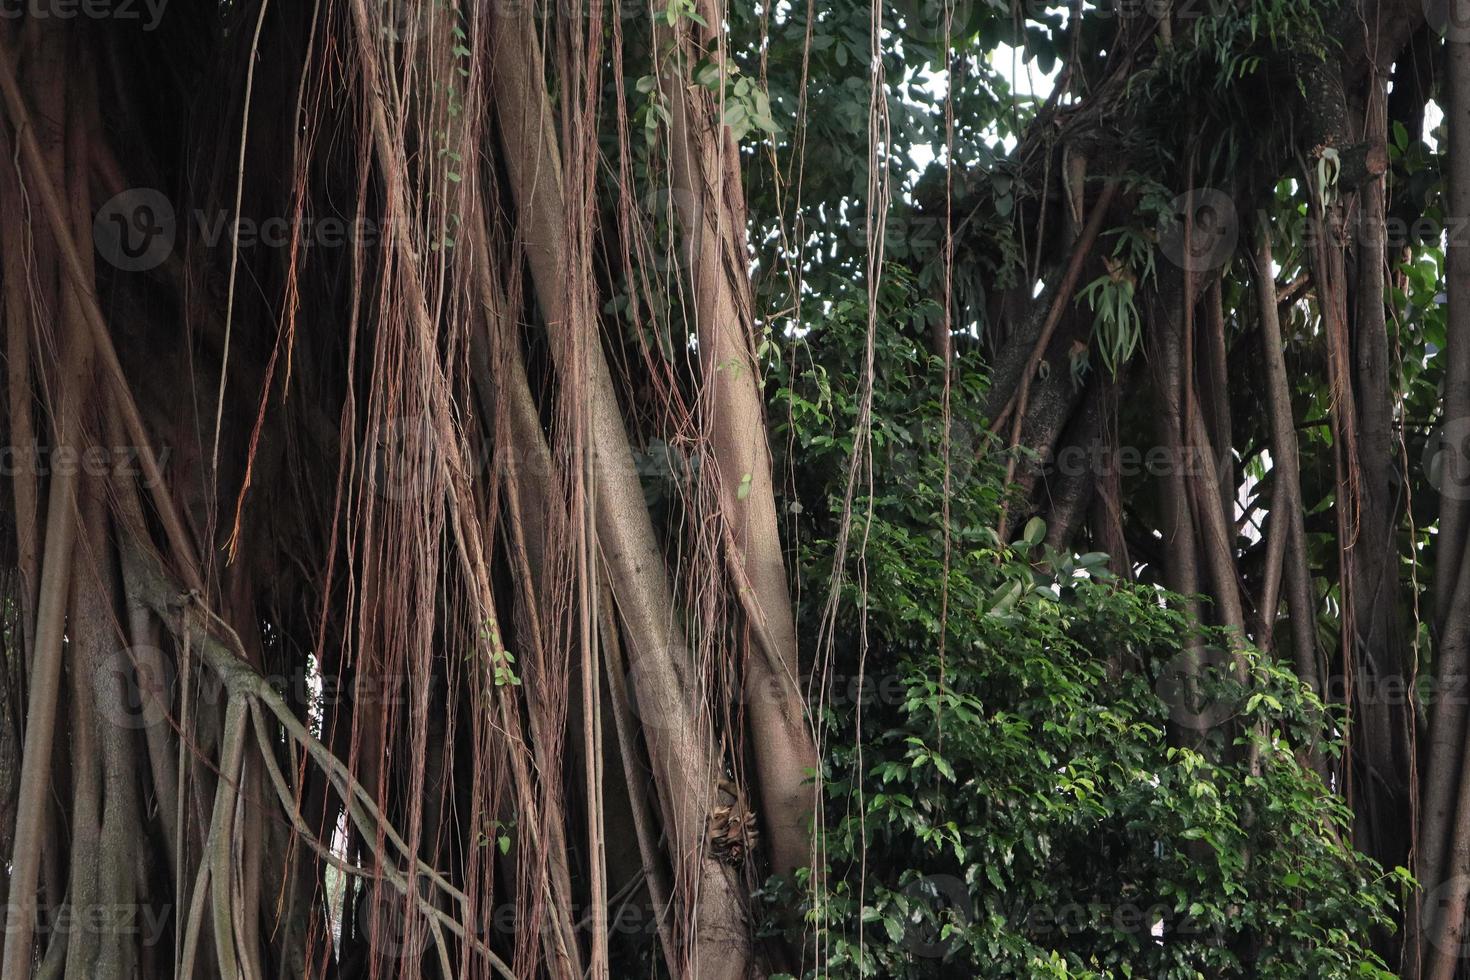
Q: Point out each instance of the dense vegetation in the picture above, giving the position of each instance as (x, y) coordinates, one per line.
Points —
(1002, 797)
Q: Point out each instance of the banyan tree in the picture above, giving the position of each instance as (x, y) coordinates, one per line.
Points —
(399, 546)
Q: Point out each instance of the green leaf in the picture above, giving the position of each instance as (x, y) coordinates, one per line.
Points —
(1035, 531)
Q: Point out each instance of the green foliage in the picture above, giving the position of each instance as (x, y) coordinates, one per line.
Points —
(1015, 801)
(1117, 326)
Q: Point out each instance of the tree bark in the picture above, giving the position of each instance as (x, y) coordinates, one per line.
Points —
(679, 738)
(706, 165)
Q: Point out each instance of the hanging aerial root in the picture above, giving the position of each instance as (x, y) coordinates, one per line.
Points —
(249, 691)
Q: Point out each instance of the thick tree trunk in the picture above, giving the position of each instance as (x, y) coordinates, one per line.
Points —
(1287, 521)
(675, 724)
(705, 166)
(1444, 837)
